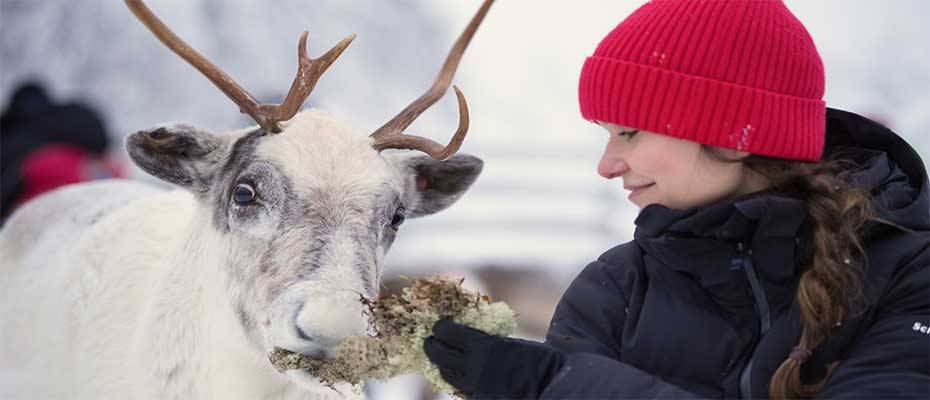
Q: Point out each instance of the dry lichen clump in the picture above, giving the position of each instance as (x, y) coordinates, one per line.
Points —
(402, 322)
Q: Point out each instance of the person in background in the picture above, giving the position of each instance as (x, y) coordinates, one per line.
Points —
(44, 145)
(781, 248)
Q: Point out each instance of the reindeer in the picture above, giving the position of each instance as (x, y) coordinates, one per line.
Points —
(121, 290)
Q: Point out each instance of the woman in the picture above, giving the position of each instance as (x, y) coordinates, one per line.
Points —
(781, 248)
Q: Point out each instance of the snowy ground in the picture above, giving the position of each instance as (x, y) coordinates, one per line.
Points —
(539, 201)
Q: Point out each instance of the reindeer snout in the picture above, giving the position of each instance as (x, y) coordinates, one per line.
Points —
(313, 323)
(327, 320)
(313, 346)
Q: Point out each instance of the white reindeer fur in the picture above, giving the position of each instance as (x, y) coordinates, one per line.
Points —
(117, 290)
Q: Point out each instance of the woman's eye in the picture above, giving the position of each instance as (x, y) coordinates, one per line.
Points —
(630, 133)
(244, 194)
(399, 216)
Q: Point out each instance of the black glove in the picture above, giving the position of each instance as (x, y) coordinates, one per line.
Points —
(480, 365)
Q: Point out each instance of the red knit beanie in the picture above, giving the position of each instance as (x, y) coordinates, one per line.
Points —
(739, 74)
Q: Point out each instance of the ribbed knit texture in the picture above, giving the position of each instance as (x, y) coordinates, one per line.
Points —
(739, 74)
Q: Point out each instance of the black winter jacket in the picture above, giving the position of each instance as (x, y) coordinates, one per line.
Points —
(701, 303)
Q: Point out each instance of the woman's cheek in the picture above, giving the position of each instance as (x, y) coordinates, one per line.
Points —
(658, 160)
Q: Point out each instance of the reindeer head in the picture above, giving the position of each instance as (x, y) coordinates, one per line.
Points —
(305, 208)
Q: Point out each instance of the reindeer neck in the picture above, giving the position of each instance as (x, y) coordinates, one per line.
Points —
(191, 328)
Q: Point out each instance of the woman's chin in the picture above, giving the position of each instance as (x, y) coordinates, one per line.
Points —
(643, 200)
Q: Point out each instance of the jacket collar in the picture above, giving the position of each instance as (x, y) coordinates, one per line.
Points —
(708, 243)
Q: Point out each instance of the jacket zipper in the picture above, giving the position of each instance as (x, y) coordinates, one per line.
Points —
(762, 308)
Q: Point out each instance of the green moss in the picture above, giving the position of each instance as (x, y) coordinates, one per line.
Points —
(402, 322)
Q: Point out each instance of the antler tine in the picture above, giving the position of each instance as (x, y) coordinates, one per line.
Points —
(390, 135)
(309, 71)
(428, 146)
(266, 115)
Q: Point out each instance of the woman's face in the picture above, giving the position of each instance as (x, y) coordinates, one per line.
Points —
(678, 173)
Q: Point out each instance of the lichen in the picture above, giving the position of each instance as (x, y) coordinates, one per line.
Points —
(402, 322)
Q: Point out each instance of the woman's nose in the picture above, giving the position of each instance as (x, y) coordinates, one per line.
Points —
(611, 165)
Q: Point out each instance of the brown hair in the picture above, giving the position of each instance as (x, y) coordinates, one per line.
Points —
(830, 284)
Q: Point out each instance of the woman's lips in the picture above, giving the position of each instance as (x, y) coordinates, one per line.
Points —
(638, 189)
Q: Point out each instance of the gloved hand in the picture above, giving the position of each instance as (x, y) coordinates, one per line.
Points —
(480, 365)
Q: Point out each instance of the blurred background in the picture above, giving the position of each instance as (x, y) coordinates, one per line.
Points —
(76, 77)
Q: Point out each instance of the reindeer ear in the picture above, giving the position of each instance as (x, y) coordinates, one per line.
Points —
(179, 154)
(433, 185)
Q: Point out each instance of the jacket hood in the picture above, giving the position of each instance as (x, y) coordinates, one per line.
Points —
(886, 164)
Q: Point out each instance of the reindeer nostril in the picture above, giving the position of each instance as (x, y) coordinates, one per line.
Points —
(301, 334)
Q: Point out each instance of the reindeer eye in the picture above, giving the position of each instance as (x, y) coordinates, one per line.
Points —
(399, 216)
(244, 193)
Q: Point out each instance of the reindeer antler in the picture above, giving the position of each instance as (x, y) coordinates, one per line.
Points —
(266, 115)
(391, 136)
